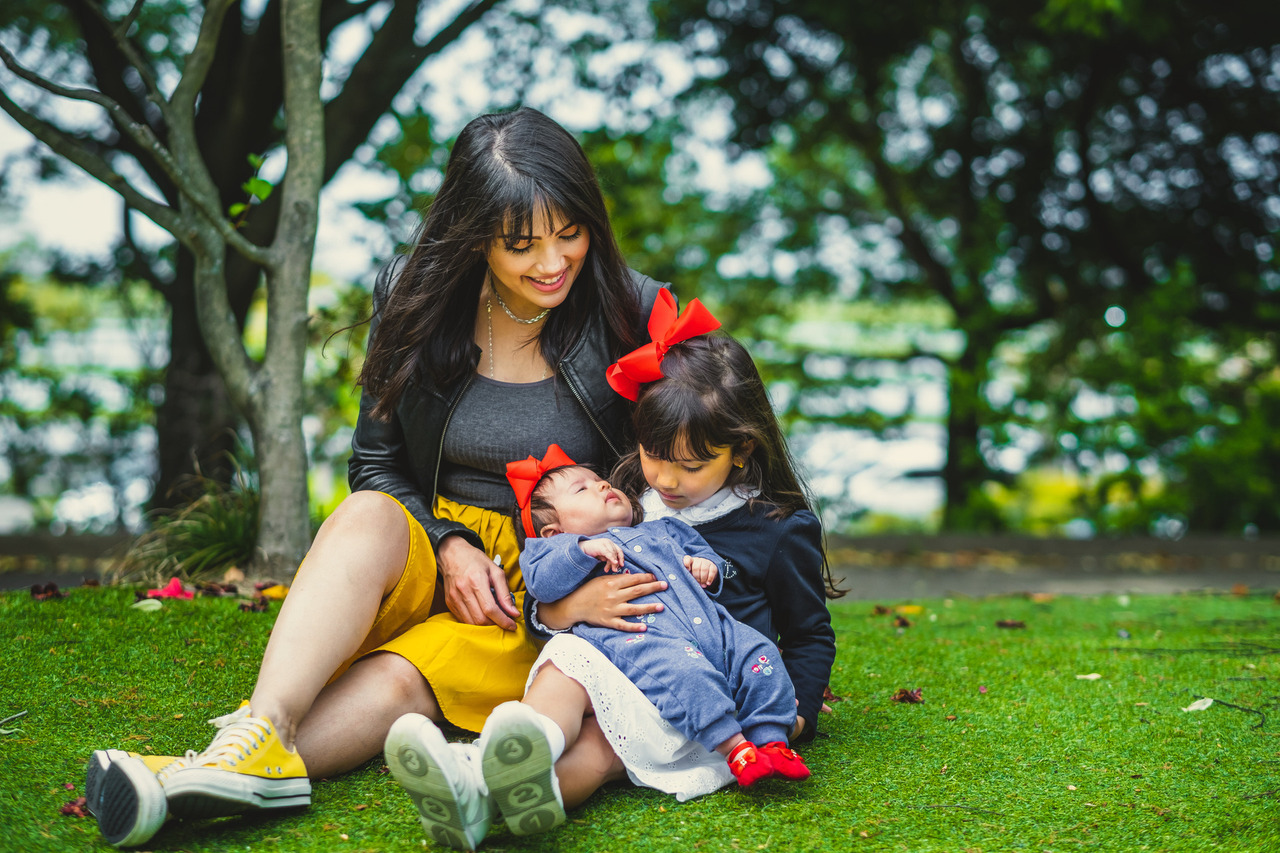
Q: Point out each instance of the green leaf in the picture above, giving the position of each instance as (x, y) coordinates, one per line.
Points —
(258, 188)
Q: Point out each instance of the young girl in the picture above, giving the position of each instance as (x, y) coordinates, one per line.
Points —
(710, 453)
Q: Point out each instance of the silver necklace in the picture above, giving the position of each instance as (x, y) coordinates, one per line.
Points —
(488, 316)
(529, 322)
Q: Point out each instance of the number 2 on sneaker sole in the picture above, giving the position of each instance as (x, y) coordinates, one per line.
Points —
(519, 775)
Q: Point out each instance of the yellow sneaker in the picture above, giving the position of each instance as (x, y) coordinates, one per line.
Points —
(246, 768)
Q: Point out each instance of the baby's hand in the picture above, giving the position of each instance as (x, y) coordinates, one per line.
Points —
(606, 551)
(703, 570)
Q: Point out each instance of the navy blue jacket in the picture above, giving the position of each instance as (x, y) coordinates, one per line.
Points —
(773, 582)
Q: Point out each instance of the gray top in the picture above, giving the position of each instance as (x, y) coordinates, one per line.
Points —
(532, 415)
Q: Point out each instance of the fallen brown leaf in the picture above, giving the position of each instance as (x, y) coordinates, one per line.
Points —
(1011, 623)
(258, 605)
(75, 808)
(910, 697)
(44, 592)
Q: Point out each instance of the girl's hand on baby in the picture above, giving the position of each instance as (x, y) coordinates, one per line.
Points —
(606, 551)
(703, 570)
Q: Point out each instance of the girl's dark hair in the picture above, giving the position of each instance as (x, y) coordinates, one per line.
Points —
(542, 513)
(712, 397)
(504, 169)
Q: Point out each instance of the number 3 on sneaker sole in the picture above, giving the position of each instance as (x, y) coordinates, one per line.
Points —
(517, 768)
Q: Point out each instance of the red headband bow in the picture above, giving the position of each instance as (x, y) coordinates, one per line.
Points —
(628, 373)
(524, 476)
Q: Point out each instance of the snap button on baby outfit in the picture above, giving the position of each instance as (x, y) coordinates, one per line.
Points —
(697, 620)
(671, 577)
(638, 549)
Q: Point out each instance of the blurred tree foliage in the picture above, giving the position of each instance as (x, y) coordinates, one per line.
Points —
(73, 411)
(1091, 190)
(1067, 212)
(239, 118)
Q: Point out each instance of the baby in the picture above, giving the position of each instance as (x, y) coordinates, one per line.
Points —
(719, 682)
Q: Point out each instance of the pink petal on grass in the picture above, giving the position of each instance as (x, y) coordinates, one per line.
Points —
(172, 590)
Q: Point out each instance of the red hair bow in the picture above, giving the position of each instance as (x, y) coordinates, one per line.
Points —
(524, 476)
(628, 373)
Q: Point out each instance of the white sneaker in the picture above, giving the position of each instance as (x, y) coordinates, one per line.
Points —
(443, 780)
(101, 759)
(519, 771)
(131, 803)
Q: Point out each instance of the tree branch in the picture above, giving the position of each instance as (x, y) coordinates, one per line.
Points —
(381, 72)
(144, 137)
(139, 132)
(119, 35)
(65, 146)
(195, 183)
(200, 59)
(127, 21)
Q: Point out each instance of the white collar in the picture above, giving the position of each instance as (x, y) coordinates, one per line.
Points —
(718, 505)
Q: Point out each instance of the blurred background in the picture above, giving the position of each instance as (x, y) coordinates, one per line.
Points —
(1007, 267)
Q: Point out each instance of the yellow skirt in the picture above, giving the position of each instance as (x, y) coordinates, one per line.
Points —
(471, 668)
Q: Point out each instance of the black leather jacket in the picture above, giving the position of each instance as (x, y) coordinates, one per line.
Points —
(384, 460)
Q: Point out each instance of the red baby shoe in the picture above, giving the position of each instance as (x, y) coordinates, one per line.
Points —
(748, 765)
(784, 761)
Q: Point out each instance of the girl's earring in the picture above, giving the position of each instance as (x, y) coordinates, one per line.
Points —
(738, 464)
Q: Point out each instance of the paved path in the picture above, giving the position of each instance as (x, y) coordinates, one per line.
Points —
(907, 583)
(894, 568)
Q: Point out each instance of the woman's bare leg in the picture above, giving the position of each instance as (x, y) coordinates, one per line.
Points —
(587, 765)
(349, 721)
(356, 560)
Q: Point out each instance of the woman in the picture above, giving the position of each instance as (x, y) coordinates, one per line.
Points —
(488, 342)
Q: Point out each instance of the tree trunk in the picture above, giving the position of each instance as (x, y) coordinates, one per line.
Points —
(967, 507)
(284, 523)
(196, 423)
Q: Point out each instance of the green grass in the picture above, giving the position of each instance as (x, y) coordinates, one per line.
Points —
(1039, 761)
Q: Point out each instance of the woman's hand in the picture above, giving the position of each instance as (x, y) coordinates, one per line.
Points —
(605, 602)
(475, 587)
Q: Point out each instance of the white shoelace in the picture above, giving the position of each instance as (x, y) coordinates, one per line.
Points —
(238, 735)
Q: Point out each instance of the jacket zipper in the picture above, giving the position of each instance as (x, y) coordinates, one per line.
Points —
(582, 403)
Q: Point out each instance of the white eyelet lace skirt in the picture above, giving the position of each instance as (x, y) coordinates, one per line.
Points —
(655, 754)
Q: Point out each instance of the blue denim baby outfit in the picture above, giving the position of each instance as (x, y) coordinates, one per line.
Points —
(709, 675)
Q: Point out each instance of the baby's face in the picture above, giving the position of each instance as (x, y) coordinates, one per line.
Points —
(586, 504)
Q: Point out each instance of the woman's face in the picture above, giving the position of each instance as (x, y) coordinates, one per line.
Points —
(535, 271)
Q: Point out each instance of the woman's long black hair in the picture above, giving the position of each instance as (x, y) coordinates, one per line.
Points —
(503, 169)
(711, 396)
